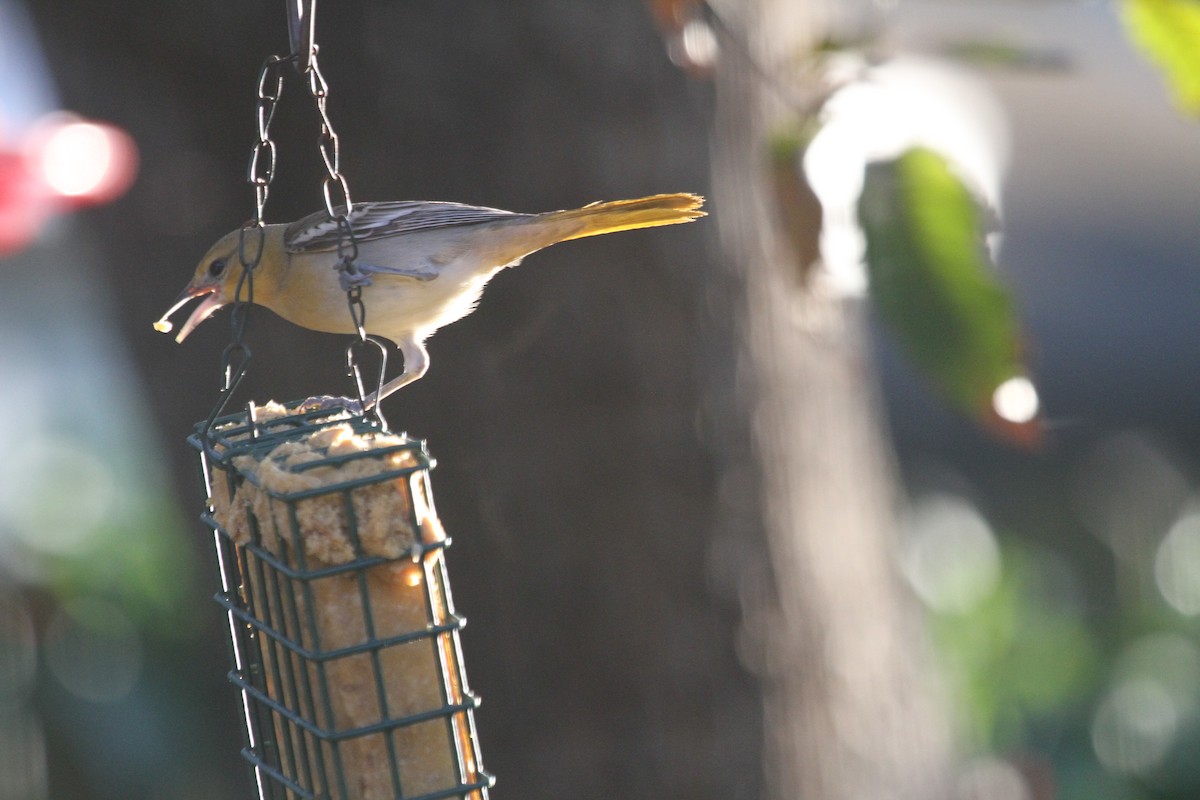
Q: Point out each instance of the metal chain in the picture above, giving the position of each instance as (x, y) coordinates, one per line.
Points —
(269, 92)
(334, 188)
(260, 173)
(328, 144)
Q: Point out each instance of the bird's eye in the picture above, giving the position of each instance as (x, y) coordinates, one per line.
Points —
(216, 267)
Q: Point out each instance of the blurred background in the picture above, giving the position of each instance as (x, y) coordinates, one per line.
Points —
(606, 538)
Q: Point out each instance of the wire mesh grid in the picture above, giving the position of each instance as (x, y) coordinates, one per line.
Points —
(344, 636)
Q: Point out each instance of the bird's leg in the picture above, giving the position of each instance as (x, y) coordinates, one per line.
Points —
(416, 363)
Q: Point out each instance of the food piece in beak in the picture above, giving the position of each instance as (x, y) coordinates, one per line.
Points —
(212, 301)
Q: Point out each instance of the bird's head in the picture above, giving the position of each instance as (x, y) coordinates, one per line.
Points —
(216, 280)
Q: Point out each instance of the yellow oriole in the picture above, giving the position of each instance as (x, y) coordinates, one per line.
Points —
(423, 264)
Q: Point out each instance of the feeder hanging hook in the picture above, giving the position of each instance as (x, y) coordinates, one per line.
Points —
(301, 21)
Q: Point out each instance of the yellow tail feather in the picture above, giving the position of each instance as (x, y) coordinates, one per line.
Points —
(625, 215)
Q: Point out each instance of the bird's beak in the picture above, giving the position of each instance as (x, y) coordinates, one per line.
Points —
(212, 301)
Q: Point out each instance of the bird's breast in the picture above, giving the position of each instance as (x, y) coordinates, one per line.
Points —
(396, 305)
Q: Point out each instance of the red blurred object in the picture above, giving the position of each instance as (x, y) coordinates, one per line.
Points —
(62, 163)
(23, 205)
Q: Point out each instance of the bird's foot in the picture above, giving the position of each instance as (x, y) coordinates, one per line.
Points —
(329, 402)
(351, 276)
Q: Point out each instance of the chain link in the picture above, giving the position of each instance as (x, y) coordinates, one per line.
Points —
(334, 188)
(260, 173)
(329, 146)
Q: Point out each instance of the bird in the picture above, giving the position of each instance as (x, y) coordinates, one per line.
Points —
(422, 264)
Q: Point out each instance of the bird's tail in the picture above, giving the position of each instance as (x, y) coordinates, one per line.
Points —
(624, 215)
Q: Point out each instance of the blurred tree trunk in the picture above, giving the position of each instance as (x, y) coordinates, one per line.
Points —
(851, 707)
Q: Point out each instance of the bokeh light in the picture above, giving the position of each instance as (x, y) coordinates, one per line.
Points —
(949, 555)
(699, 44)
(1128, 492)
(1169, 659)
(1134, 726)
(1154, 695)
(76, 158)
(54, 494)
(992, 779)
(1177, 563)
(884, 110)
(1016, 400)
(82, 161)
(94, 650)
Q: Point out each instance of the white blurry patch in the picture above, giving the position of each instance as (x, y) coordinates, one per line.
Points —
(1016, 400)
(1128, 493)
(1168, 659)
(699, 44)
(77, 158)
(94, 650)
(1135, 725)
(903, 103)
(949, 553)
(994, 779)
(1177, 563)
(54, 493)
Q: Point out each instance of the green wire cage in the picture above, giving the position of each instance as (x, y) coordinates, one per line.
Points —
(345, 641)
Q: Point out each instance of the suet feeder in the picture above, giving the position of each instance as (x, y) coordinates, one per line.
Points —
(344, 636)
(343, 632)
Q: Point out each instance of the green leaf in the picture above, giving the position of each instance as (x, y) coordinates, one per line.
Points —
(1168, 31)
(1020, 655)
(933, 284)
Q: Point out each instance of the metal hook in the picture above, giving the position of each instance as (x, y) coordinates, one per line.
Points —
(301, 19)
(234, 362)
(354, 369)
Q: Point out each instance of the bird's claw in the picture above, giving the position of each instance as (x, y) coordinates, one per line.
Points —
(329, 402)
(350, 276)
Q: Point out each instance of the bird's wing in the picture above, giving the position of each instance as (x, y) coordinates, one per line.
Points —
(317, 232)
